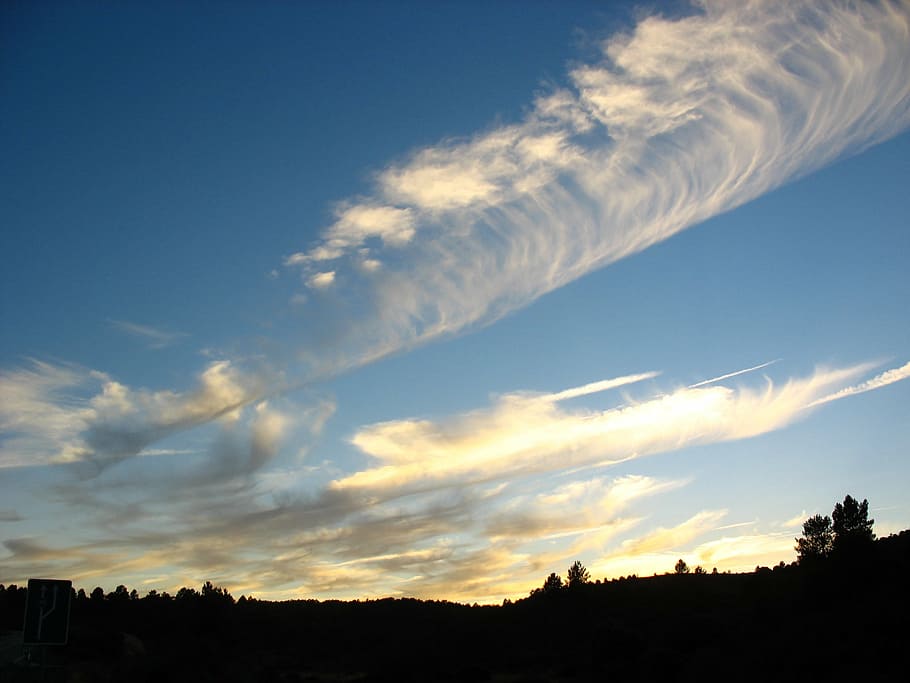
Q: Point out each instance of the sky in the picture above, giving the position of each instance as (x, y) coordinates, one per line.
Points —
(352, 300)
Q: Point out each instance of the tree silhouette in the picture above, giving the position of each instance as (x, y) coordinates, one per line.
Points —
(553, 583)
(577, 575)
(121, 594)
(681, 567)
(817, 539)
(851, 524)
(187, 595)
(216, 594)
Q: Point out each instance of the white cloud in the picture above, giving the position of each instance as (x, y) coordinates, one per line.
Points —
(483, 171)
(795, 521)
(321, 280)
(526, 433)
(42, 414)
(578, 507)
(371, 265)
(446, 496)
(877, 382)
(742, 553)
(597, 387)
(64, 413)
(296, 259)
(356, 223)
(670, 539)
(679, 120)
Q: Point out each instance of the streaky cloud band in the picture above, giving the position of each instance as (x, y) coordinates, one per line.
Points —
(877, 382)
(681, 119)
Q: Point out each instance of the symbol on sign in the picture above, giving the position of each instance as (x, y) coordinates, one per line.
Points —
(43, 611)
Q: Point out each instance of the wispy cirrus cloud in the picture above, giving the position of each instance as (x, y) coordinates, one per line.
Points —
(573, 508)
(524, 433)
(680, 119)
(43, 412)
(449, 494)
(64, 413)
(676, 121)
(154, 337)
(673, 538)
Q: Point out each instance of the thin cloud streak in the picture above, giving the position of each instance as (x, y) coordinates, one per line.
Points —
(877, 382)
(731, 374)
(597, 387)
(673, 538)
(155, 338)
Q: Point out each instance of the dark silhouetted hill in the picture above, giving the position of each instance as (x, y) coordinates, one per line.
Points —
(843, 618)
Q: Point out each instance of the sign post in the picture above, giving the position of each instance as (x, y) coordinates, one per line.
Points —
(47, 618)
(47, 612)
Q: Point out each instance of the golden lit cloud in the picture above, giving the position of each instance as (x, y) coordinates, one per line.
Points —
(525, 433)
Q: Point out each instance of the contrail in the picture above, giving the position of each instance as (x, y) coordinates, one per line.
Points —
(732, 374)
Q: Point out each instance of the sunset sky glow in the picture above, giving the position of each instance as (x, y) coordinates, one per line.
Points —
(352, 300)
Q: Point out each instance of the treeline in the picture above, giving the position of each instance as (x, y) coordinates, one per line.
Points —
(674, 627)
(121, 599)
(680, 626)
(845, 536)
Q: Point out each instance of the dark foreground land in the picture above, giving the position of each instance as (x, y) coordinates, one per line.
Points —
(844, 618)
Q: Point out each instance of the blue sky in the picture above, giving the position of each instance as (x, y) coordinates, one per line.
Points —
(359, 299)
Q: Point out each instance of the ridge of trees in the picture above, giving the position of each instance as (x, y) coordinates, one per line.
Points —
(846, 533)
(624, 629)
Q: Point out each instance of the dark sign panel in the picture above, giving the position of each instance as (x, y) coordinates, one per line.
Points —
(47, 612)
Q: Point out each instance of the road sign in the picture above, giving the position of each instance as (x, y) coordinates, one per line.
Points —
(47, 612)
